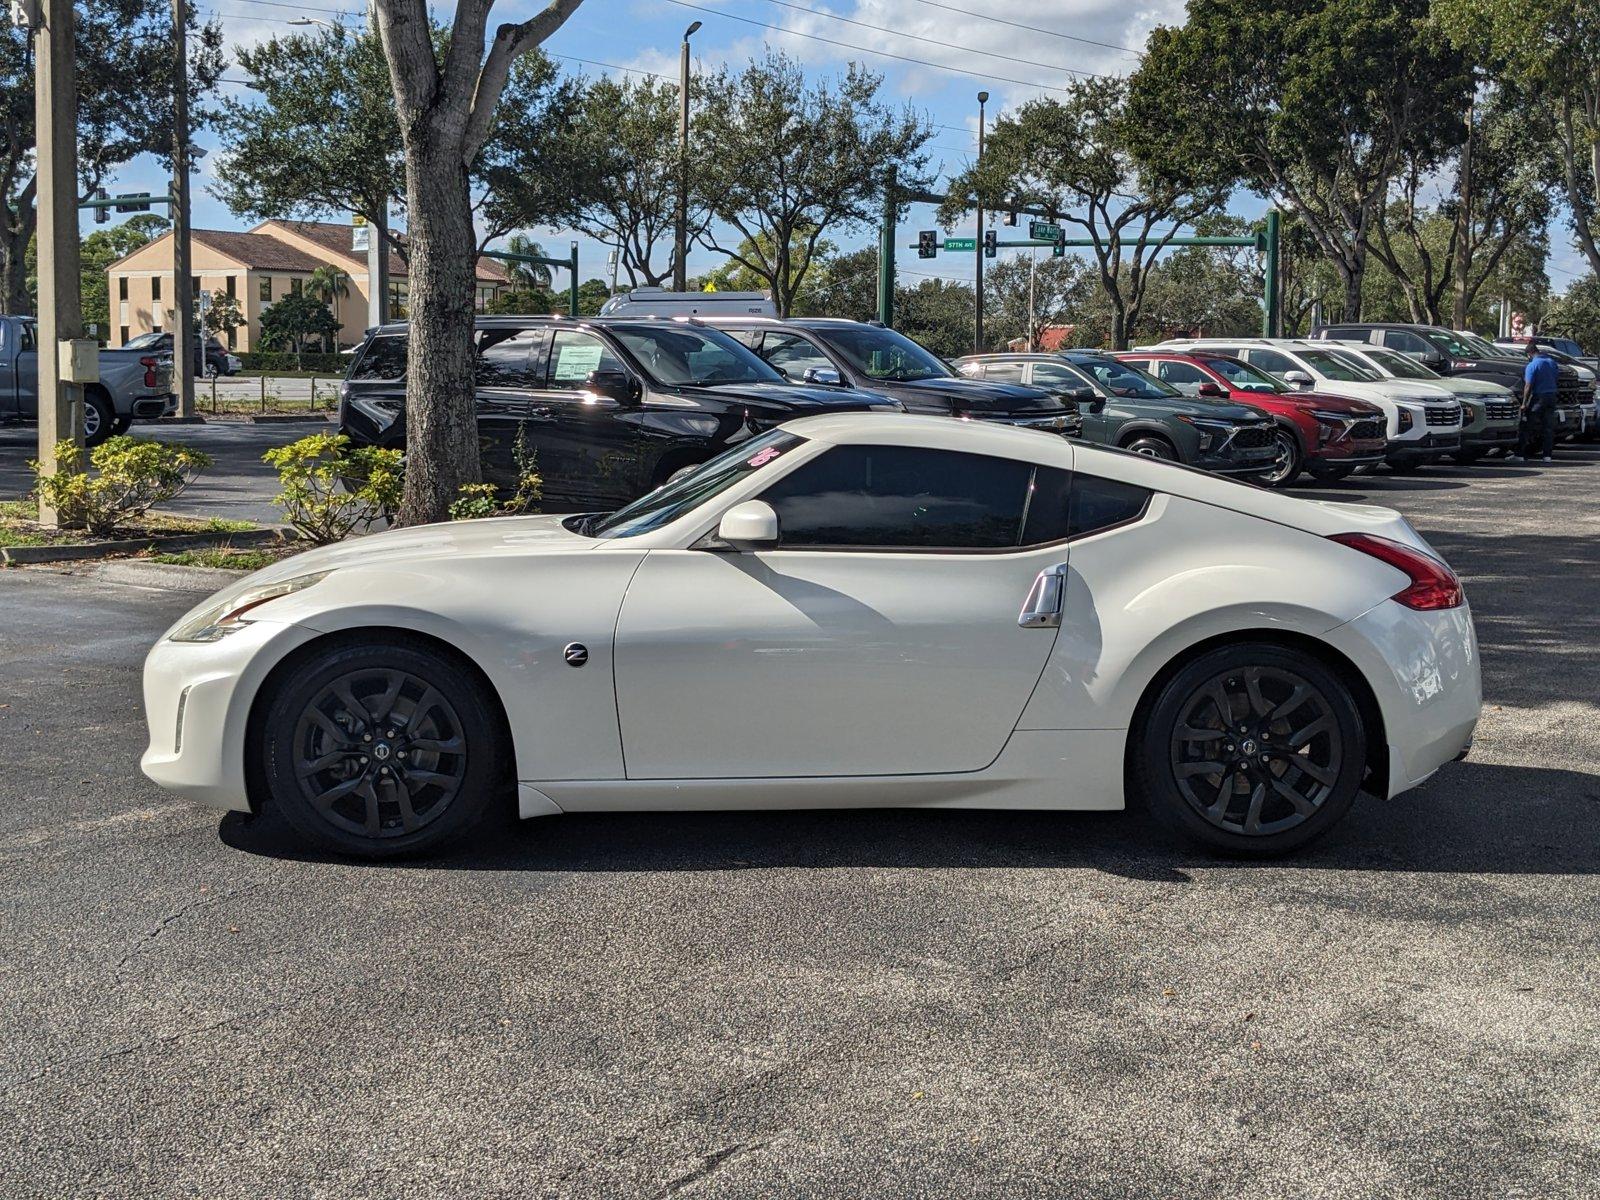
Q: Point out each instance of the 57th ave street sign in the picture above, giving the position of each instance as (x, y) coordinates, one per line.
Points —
(960, 244)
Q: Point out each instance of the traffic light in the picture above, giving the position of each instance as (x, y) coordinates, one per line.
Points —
(928, 243)
(1010, 218)
(1058, 249)
(990, 243)
(101, 215)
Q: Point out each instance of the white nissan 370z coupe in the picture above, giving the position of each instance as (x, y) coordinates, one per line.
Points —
(852, 610)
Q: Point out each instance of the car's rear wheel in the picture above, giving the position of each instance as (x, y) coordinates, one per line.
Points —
(99, 418)
(1252, 749)
(380, 750)
(1152, 446)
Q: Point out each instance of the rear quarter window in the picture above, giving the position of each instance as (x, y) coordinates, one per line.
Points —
(384, 358)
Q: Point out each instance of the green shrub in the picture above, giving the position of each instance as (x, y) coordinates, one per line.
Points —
(478, 500)
(475, 500)
(288, 360)
(330, 487)
(130, 476)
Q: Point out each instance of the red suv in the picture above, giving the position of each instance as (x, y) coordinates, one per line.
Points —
(1326, 435)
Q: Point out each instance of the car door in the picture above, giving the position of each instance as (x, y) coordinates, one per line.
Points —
(880, 637)
(26, 397)
(598, 449)
(507, 358)
(1056, 378)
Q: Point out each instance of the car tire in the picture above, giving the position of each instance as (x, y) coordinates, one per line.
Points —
(1324, 474)
(121, 426)
(1287, 469)
(383, 749)
(211, 370)
(99, 418)
(1152, 446)
(1289, 719)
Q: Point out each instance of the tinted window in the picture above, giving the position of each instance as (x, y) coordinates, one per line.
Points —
(1056, 377)
(691, 356)
(1242, 376)
(1064, 505)
(792, 355)
(1271, 362)
(573, 355)
(1338, 366)
(1120, 379)
(1405, 341)
(1348, 335)
(1004, 372)
(505, 357)
(1186, 377)
(882, 353)
(903, 498)
(385, 358)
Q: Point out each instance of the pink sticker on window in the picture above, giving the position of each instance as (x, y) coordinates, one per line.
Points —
(763, 457)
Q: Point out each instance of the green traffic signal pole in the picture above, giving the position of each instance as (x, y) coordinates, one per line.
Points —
(570, 263)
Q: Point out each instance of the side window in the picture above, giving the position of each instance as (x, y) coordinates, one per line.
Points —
(1186, 377)
(899, 497)
(1405, 341)
(385, 358)
(1347, 335)
(26, 338)
(1065, 505)
(1271, 361)
(573, 355)
(793, 355)
(745, 337)
(505, 357)
(1005, 372)
(1055, 377)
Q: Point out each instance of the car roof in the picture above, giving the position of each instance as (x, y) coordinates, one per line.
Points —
(521, 321)
(936, 433)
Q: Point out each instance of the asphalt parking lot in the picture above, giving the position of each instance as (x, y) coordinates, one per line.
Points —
(887, 1003)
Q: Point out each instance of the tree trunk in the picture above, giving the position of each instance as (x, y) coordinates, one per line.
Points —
(440, 376)
(14, 298)
(1353, 275)
(1463, 259)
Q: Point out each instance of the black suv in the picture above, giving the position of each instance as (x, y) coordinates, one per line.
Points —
(1464, 354)
(610, 407)
(1132, 410)
(867, 354)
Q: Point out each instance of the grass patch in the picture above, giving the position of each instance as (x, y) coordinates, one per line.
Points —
(19, 526)
(225, 557)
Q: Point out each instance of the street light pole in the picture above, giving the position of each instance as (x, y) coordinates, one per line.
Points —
(55, 93)
(977, 249)
(680, 235)
(184, 339)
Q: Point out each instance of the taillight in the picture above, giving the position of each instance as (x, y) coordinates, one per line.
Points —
(149, 365)
(1433, 585)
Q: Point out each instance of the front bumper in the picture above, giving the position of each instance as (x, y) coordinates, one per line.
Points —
(211, 685)
(1427, 447)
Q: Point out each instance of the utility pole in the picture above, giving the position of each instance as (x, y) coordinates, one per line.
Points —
(680, 232)
(184, 335)
(891, 215)
(378, 235)
(55, 91)
(1033, 269)
(977, 246)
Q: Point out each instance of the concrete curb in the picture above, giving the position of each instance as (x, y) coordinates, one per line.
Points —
(197, 419)
(289, 418)
(165, 575)
(24, 555)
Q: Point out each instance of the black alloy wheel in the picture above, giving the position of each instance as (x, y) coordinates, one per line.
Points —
(379, 751)
(1253, 749)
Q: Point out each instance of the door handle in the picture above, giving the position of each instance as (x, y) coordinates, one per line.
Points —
(1042, 608)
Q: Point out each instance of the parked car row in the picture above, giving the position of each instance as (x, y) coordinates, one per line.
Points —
(611, 407)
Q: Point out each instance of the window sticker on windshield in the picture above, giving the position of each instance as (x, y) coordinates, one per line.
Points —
(575, 362)
(762, 457)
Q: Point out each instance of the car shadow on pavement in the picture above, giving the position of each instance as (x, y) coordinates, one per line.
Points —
(1471, 819)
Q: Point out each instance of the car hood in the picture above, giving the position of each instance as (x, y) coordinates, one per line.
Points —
(1481, 389)
(1328, 402)
(979, 395)
(808, 398)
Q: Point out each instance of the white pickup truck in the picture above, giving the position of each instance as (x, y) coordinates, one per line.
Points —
(132, 383)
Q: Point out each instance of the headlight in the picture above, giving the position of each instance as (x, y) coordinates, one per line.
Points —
(1328, 417)
(219, 620)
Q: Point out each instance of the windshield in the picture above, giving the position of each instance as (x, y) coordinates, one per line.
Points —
(145, 341)
(1399, 365)
(1124, 379)
(1243, 376)
(883, 353)
(1452, 345)
(1337, 366)
(691, 356)
(671, 500)
(1487, 349)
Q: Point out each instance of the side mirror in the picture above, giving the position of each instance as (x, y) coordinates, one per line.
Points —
(752, 525)
(1214, 390)
(613, 385)
(1097, 404)
(1435, 360)
(823, 375)
(1297, 379)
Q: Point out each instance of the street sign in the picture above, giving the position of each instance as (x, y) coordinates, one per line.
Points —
(1043, 231)
(133, 202)
(960, 244)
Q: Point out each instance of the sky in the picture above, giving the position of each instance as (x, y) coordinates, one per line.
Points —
(961, 47)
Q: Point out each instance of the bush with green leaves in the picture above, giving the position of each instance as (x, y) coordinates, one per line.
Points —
(331, 487)
(477, 500)
(127, 477)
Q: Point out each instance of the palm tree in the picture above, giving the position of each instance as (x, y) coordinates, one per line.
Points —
(526, 277)
(328, 283)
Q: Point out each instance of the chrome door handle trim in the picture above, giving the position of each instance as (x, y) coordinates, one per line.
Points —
(1042, 608)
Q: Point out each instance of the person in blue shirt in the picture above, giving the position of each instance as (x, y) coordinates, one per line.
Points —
(1538, 405)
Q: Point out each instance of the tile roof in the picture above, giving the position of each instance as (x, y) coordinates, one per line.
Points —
(335, 239)
(254, 250)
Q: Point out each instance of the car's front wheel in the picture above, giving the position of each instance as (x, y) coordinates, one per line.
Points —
(1286, 469)
(1152, 446)
(380, 749)
(1252, 749)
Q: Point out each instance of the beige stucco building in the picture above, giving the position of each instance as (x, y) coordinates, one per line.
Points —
(257, 267)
